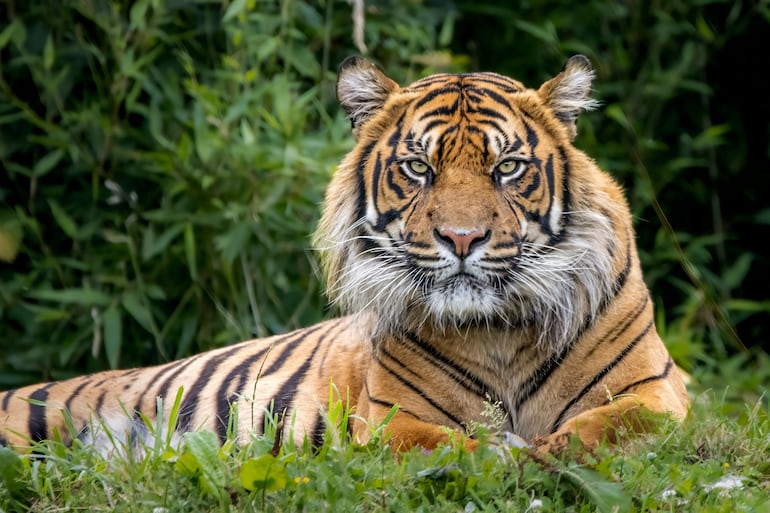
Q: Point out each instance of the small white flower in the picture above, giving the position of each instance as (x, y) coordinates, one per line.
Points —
(726, 483)
(668, 493)
(535, 505)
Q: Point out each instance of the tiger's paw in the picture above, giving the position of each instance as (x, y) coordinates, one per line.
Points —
(555, 444)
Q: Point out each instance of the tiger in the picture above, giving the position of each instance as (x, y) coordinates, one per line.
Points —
(476, 257)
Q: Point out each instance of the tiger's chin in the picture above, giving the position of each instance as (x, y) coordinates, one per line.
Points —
(455, 304)
(463, 301)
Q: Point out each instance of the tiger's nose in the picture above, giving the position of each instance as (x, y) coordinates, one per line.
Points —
(461, 242)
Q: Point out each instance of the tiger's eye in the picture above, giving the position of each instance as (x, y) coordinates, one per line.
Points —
(417, 166)
(509, 167)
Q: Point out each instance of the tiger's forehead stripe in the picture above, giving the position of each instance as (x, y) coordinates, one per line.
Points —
(475, 101)
(468, 147)
(502, 82)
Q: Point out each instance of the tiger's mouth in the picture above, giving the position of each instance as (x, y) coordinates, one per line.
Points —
(461, 298)
(461, 281)
(474, 277)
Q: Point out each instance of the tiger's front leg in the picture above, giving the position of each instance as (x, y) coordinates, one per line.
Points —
(404, 431)
(622, 417)
(430, 408)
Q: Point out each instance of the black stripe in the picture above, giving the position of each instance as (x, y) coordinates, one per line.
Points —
(490, 113)
(607, 368)
(662, 375)
(224, 401)
(433, 79)
(443, 110)
(190, 402)
(494, 96)
(37, 424)
(7, 398)
(532, 187)
(177, 369)
(138, 431)
(100, 403)
(566, 198)
(441, 151)
(420, 392)
(361, 178)
(284, 398)
(319, 430)
(376, 172)
(3, 441)
(532, 139)
(460, 375)
(389, 405)
(392, 184)
(433, 124)
(545, 223)
(496, 80)
(241, 371)
(75, 393)
(618, 329)
(163, 388)
(495, 125)
(546, 369)
(452, 88)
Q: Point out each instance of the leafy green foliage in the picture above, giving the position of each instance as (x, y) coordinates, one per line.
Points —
(12, 483)
(164, 165)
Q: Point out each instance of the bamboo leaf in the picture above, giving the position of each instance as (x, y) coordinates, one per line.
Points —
(189, 250)
(113, 335)
(65, 222)
(49, 53)
(132, 301)
(152, 246)
(80, 296)
(47, 163)
(233, 10)
(15, 32)
(10, 237)
(234, 241)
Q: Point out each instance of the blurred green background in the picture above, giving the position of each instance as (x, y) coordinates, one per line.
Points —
(163, 161)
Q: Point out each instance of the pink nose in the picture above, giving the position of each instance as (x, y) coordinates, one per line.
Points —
(460, 241)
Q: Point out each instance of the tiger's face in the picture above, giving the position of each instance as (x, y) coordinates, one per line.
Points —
(456, 207)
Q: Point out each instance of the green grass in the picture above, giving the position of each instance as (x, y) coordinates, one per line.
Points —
(687, 468)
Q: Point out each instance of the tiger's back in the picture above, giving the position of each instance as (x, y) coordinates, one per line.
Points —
(481, 257)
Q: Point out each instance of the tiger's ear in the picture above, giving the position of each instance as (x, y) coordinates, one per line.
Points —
(362, 89)
(569, 92)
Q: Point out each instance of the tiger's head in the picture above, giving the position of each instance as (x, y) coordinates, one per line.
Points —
(465, 204)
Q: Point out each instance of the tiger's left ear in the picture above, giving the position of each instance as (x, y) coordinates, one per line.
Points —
(569, 92)
(362, 89)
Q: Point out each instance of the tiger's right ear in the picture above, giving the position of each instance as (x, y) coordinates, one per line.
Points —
(362, 89)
